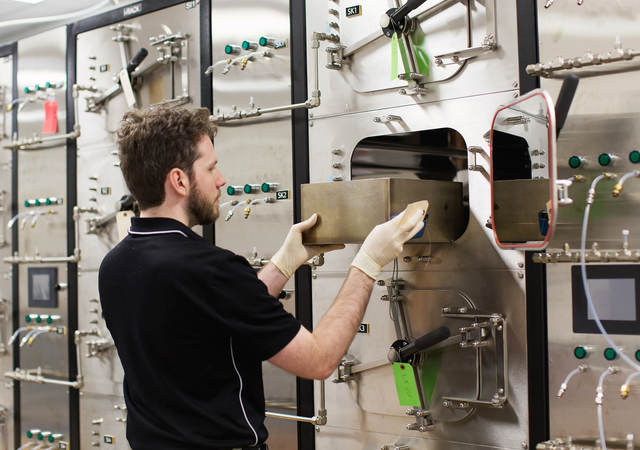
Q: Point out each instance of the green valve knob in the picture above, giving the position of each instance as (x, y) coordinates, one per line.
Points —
(27, 318)
(580, 352)
(637, 355)
(29, 434)
(39, 319)
(47, 85)
(48, 201)
(231, 49)
(38, 202)
(49, 319)
(604, 159)
(248, 45)
(27, 203)
(610, 354)
(27, 90)
(40, 436)
(231, 190)
(263, 41)
(634, 156)
(248, 189)
(575, 162)
(37, 87)
(51, 438)
(266, 187)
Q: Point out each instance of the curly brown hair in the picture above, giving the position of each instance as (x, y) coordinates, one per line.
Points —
(155, 140)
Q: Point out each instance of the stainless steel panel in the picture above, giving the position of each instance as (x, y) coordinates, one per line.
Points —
(42, 173)
(365, 413)
(602, 119)
(517, 204)
(349, 210)
(575, 413)
(254, 152)
(101, 421)
(6, 362)
(344, 90)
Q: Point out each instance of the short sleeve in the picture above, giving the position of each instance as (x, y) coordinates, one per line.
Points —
(252, 316)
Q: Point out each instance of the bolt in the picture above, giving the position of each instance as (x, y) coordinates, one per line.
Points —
(310, 123)
(317, 428)
(462, 310)
(524, 445)
(515, 95)
(384, 298)
(445, 403)
(380, 282)
(515, 84)
(501, 391)
(406, 259)
(520, 275)
(314, 276)
(521, 265)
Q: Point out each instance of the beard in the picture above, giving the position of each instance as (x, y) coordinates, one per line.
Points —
(202, 210)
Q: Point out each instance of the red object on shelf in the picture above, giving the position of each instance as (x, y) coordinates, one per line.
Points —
(50, 125)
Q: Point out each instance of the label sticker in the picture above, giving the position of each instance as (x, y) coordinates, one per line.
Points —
(363, 328)
(282, 195)
(190, 5)
(353, 11)
(108, 439)
(133, 9)
(105, 68)
(406, 388)
(105, 190)
(63, 445)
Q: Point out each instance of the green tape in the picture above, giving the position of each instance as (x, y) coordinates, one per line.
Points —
(430, 369)
(406, 389)
(422, 59)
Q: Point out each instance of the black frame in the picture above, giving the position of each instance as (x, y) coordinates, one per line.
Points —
(536, 274)
(581, 321)
(12, 50)
(91, 23)
(52, 274)
(300, 142)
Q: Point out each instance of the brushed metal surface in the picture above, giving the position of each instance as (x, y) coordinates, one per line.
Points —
(349, 210)
(517, 204)
(254, 152)
(41, 58)
(371, 68)
(6, 359)
(366, 414)
(602, 119)
(98, 420)
(575, 413)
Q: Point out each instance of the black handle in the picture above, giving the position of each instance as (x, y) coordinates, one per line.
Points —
(424, 342)
(405, 9)
(565, 97)
(136, 60)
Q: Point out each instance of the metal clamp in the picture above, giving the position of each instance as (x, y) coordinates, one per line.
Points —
(387, 118)
(489, 42)
(335, 56)
(486, 329)
(424, 420)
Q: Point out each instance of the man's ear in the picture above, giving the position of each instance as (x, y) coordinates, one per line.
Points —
(178, 182)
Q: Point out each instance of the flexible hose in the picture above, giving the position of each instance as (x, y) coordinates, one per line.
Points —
(34, 20)
(17, 332)
(599, 395)
(583, 269)
(563, 386)
(603, 443)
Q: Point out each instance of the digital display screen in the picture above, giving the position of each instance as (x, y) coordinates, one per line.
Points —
(41, 287)
(613, 299)
(615, 293)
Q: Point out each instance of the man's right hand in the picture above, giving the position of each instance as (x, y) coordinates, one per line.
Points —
(385, 242)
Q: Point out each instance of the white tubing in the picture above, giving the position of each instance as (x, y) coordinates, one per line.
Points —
(563, 386)
(631, 377)
(15, 335)
(583, 269)
(603, 443)
(599, 395)
(34, 20)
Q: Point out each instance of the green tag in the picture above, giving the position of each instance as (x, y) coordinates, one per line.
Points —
(430, 370)
(422, 59)
(406, 384)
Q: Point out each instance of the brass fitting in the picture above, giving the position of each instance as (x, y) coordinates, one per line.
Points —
(624, 391)
(616, 190)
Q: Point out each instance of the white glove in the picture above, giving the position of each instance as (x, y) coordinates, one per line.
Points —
(384, 243)
(293, 253)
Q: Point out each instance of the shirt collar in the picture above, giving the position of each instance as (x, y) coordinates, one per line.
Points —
(160, 225)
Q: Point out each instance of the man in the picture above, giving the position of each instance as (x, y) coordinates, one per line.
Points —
(192, 323)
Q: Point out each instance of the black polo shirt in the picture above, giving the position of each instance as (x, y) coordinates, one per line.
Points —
(192, 324)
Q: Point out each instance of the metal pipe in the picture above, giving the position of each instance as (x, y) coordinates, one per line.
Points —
(312, 102)
(435, 9)
(16, 259)
(318, 419)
